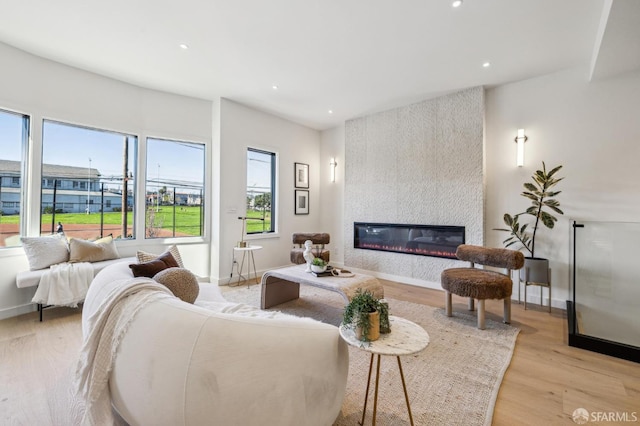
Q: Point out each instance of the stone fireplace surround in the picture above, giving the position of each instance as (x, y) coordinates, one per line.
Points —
(421, 164)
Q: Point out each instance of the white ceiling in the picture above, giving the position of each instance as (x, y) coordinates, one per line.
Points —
(351, 56)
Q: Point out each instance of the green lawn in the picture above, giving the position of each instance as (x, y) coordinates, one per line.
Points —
(258, 225)
(187, 219)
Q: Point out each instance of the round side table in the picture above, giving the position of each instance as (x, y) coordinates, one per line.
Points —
(406, 338)
(251, 260)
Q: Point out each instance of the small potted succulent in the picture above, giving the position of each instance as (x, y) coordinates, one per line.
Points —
(362, 313)
(318, 265)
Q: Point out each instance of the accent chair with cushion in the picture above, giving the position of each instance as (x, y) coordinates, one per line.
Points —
(318, 239)
(482, 284)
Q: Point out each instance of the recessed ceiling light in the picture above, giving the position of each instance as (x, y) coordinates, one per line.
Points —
(330, 111)
(184, 46)
(274, 87)
(457, 3)
(486, 64)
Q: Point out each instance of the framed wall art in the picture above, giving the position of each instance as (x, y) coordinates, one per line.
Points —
(301, 202)
(301, 175)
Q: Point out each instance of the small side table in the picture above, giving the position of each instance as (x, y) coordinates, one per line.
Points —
(239, 267)
(406, 338)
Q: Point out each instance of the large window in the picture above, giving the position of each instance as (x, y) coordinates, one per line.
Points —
(174, 189)
(87, 181)
(261, 178)
(14, 134)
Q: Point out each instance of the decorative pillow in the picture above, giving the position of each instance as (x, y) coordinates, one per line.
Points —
(106, 239)
(90, 251)
(182, 283)
(151, 268)
(43, 252)
(146, 257)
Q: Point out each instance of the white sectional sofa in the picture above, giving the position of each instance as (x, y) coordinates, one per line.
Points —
(32, 278)
(184, 364)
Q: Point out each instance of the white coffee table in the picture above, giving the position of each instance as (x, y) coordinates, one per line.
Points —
(406, 338)
(283, 284)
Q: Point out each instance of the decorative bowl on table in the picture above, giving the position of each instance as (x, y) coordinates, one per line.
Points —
(318, 269)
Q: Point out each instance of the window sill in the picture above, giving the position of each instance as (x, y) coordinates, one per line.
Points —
(163, 241)
(262, 236)
(11, 251)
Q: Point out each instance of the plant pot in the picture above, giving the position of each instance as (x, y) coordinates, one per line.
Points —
(535, 270)
(318, 269)
(374, 329)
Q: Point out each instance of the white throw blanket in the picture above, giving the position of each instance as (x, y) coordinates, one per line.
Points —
(106, 329)
(64, 284)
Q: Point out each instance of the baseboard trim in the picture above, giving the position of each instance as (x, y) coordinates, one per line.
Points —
(14, 311)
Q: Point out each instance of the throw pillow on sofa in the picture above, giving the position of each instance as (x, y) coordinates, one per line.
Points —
(43, 252)
(182, 283)
(92, 251)
(143, 256)
(151, 268)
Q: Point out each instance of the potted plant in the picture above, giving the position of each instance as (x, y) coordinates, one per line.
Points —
(318, 265)
(363, 313)
(543, 205)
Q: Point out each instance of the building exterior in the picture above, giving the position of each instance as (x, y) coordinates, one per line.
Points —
(71, 186)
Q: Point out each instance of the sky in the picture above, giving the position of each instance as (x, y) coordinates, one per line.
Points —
(172, 162)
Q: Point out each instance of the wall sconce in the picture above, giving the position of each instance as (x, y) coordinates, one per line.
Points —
(333, 165)
(520, 140)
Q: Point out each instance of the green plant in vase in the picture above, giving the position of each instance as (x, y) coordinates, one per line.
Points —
(542, 208)
(362, 313)
(318, 261)
(318, 265)
(541, 199)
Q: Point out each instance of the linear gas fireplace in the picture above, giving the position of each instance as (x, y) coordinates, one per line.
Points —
(424, 240)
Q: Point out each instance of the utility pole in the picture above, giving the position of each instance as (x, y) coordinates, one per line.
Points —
(89, 187)
(125, 186)
(158, 191)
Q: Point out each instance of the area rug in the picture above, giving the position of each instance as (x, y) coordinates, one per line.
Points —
(454, 381)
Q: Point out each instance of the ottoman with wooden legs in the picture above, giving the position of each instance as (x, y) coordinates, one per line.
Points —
(481, 284)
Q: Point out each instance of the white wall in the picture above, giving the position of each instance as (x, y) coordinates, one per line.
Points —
(242, 127)
(592, 129)
(48, 90)
(332, 198)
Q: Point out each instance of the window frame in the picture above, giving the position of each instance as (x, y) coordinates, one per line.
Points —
(204, 226)
(70, 184)
(23, 179)
(273, 182)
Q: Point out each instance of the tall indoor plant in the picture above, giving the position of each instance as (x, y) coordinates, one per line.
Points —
(543, 205)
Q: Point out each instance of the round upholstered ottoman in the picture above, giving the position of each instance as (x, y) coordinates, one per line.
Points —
(476, 283)
(482, 284)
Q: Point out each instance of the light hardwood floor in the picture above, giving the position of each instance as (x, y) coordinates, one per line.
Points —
(546, 381)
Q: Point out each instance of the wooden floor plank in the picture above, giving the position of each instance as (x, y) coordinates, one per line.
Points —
(545, 382)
